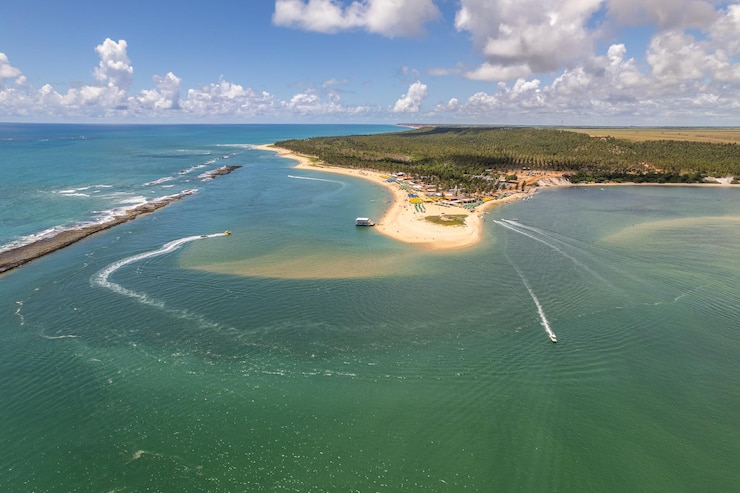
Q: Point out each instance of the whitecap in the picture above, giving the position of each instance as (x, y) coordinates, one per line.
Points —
(159, 181)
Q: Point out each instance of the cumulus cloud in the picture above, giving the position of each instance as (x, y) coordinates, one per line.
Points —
(499, 72)
(520, 37)
(108, 96)
(227, 98)
(411, 101)
(691, 59)
(725, 30)
(165, 97)
(7, 71)
(690, 64)
(675, 57)
(666, 14)
(390, 18)
(683, 76)
(541, 55)
(114, 67)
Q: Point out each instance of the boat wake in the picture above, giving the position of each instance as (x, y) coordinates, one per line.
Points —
(102, 277)
(521, 229)
(315, 179)
(543, 319)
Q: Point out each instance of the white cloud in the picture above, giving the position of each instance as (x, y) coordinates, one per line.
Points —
(7, 71)
(691, 62)
(520, 37)
(109, 96)
(114, 68)
(165, 97)
(390, 18)
(685, 78)
(411, 101)
(497, 72)
(227, 99)
(676, 58)
(683, 70)
(452, 105)
(725, 30)
(666, 14)
(321, 104)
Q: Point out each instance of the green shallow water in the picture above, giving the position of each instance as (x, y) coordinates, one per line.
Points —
(434, 375)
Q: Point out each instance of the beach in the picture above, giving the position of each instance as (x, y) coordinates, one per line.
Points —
(402, 221)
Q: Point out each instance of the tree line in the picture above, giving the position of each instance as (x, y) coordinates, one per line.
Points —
(471, 156)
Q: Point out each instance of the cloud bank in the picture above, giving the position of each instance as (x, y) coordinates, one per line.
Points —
(390, 18)
(109, 97)
(541, 61)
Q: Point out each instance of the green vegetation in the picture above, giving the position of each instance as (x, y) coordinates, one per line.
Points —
(475, 157)
(448, 219)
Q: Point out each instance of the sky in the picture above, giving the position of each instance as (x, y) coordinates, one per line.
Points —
(497, 62)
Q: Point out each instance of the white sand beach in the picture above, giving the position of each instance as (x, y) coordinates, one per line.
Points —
(402, 221)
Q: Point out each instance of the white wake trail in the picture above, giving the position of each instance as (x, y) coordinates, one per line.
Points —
(316, 179)
(543, 319)
(511, 226)
(101, 278)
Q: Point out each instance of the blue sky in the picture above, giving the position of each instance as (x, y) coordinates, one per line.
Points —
(577, 62)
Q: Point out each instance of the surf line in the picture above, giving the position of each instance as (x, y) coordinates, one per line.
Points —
(543, 319)
(101, 278)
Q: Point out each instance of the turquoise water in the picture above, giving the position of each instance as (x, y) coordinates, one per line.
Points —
(126, 365)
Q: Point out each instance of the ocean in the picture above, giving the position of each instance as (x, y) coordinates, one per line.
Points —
(300, 353)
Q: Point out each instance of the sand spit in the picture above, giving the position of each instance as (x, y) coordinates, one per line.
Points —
(407, 223)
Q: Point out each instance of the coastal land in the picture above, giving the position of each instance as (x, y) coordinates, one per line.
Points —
(22, 254)
(440, 175)
(438, 224)
(433, 224)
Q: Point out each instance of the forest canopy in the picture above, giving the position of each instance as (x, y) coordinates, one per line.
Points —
(465, 154)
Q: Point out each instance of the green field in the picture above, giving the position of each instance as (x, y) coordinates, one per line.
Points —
(715, 135)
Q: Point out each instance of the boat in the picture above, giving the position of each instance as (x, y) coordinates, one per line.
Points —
(227, 233)
(364, 221)
(553, 338)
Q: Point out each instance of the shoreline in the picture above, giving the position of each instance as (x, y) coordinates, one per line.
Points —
(403, 222)
(22, 254)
